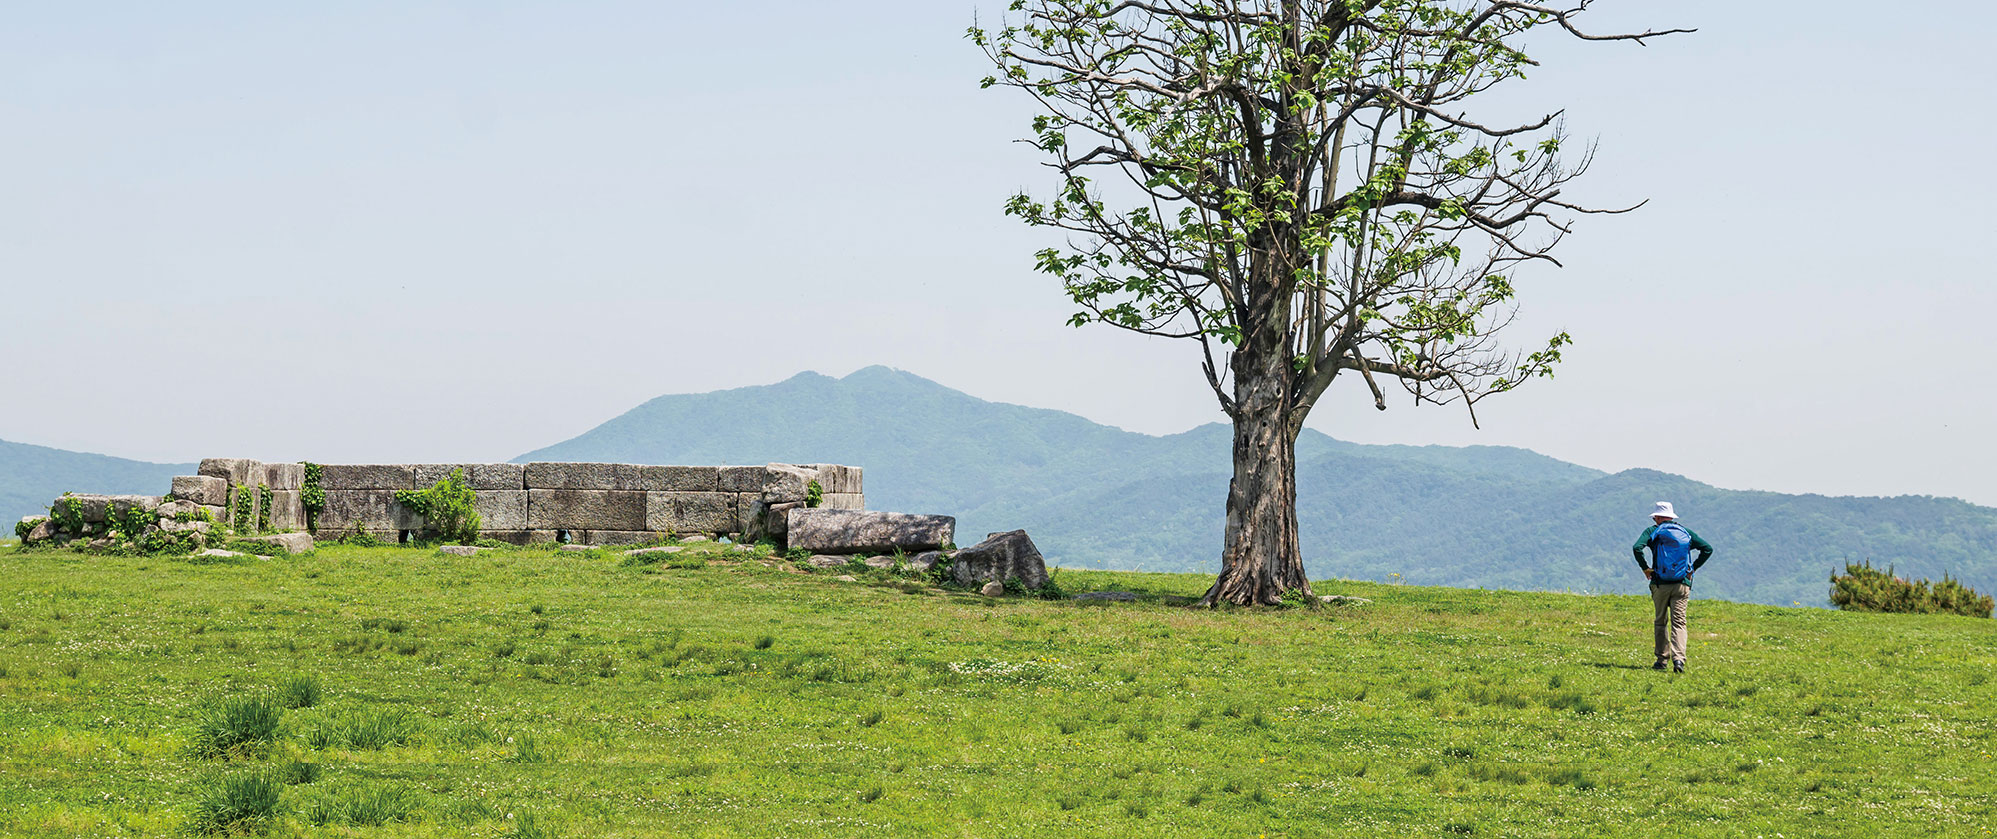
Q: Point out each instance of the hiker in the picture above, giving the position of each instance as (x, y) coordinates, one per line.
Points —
(1670, 572)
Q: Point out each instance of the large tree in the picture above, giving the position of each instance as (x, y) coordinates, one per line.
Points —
(1297, 186)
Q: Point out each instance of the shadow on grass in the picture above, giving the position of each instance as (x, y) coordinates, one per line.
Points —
(1613, 666)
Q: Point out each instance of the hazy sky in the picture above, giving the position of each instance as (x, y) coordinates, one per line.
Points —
(460, 231)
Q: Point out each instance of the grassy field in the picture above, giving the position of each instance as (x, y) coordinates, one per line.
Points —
(526, 693)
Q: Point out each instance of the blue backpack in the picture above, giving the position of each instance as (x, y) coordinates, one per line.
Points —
(1670, 552)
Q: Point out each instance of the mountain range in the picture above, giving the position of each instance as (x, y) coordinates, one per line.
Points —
(1095, 496)
(1101, 497)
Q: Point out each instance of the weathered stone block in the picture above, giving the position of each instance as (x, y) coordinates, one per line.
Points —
(235, 470)
(541, 537)
(784, 482)
(428, 474)
(287, 510)
(837, 478)
(202, 489)
(577, 509)
(370, 509)
(619, 537)
(512, 537)
(499, 476)
(680, 478)
(856, 531)
(501, 509)
(691, 512)
(91, 506)
(284, 475)
(1004, 556)
(844, 501)
(741, 478)
(621, 476)
(119, 505)
(291, 543)
(462, 550)
(371, 476)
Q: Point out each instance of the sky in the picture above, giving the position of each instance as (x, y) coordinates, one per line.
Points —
(459, 231)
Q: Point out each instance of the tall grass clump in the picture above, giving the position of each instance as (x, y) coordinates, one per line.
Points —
(246, 802)
(1863, 588)
(240, 726)
(300, 691)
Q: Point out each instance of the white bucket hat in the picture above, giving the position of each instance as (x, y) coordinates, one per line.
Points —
(1663, 509)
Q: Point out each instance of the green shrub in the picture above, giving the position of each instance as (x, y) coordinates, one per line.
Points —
(67, 512)
(237, 726)
(1863, 588)
(246, 802)
(243, 509)
(446, 508)
(814, 494)
(25, 526)
(312, 495)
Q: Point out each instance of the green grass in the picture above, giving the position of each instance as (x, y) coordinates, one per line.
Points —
(528, 693)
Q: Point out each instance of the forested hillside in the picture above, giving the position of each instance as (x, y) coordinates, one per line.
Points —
(32, 476)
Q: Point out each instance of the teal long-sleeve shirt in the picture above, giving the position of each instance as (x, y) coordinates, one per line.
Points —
(1701, 547)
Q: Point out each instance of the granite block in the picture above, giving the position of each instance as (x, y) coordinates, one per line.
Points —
(577, 509)
(335, 476)
(680, 478)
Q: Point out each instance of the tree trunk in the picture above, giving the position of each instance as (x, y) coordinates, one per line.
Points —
(1261, 559)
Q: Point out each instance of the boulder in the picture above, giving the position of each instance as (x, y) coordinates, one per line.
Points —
(202, 489)
(292, 543)
(101, 544)
(688, 540)
(1004, 556)
(42, 531)
(860, 531)
(828, 562)
(219, 553)
(880, 562)
(576, 548)
(925, 561)
(847, 578)
(666, 549)
(462, 550)
(1343, 600)
(992, 589)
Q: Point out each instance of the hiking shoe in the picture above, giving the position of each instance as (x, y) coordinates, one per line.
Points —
(1676, 667)
(1659, 665)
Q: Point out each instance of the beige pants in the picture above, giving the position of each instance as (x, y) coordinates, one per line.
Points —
(1669, 600)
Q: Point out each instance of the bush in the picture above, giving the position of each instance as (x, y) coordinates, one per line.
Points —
(242, 803)
(446, 508)
(1863, 588)
(238, 726)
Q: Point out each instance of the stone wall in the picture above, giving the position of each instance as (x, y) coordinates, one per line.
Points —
(581, 503)
(588, 503)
